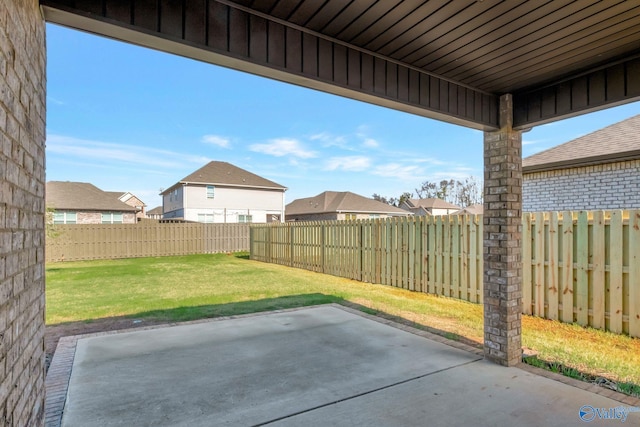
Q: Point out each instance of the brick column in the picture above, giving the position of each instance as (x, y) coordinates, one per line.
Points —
(502, 240)
(22, 141)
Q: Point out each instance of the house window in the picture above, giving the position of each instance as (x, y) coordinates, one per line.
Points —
(112, 217)
(245, 218)
(350, 216)
(210, 191)
(206, 218)
(374, 216)
(64, 217)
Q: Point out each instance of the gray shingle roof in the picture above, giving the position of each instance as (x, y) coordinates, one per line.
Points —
(617, 142)
(431, 203)
(82, 196)
(223, 173)
(470, 210)
(155, 211)
(345, 201)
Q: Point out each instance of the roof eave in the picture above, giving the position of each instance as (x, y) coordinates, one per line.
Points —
(586, 161)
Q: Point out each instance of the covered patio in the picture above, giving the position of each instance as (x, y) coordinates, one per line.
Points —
(497, 66)
(318, 366)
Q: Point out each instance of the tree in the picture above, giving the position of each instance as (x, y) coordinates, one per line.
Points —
(461, 193)
(393, 201)
(380, 198)
(51, 230)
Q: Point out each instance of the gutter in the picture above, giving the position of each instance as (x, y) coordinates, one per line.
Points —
(586, 161)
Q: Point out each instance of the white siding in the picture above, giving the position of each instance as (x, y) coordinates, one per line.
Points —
(172, 201)
(227, 205)
(234, 198)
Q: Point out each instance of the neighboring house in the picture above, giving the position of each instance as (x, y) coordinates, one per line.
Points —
(220, 192)
(470, 210)
(431, 206)
(131, 200)
(600, 170)
(332, 205)
(84, 203)
(155, 213)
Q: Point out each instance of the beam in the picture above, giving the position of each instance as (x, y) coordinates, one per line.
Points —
(604, 87)
(223, 33)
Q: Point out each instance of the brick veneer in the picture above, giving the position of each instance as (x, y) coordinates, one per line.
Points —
(502, 240)
(607, 186)
(22, 186)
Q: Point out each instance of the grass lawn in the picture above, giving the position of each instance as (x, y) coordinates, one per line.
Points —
(198, 286)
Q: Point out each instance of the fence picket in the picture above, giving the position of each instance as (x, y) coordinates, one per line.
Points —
(474, 254)
(527, 235)
(538, 292)
(582, 273)
(432, 259)
(567, 267)
(615, 272)
(597, 274)
(552, 270)
(634, 273)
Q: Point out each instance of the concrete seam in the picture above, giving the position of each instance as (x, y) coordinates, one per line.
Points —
(364, 393)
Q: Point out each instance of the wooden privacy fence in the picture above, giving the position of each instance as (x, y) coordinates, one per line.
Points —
(581, 267)
(416, 253)
(107, 241)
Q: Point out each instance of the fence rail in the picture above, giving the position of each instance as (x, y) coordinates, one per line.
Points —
(108, 241)
(581, 267)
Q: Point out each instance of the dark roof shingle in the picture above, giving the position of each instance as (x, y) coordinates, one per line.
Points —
(223, 173)
(83, 196)
(345, 201)
(431, 203)
(617, 142)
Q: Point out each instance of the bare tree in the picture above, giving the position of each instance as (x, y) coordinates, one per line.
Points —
(462, 193)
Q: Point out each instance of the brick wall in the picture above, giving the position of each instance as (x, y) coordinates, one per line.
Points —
(22, 184)
(608, 186)
(96, 218)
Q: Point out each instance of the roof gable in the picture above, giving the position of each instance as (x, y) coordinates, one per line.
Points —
(345, 201)
(617, 142)
(83, 196)
(223, 173)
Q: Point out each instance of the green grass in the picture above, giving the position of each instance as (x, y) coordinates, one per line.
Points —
(199, 286)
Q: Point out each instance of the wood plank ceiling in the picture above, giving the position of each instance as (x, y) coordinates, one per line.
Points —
(498, 47)
(558, 57)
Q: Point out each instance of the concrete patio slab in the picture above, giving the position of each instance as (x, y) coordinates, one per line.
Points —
(316, 366)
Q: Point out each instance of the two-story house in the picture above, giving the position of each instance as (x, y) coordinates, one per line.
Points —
(220, 192)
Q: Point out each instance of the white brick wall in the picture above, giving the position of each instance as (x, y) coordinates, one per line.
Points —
(608, 186)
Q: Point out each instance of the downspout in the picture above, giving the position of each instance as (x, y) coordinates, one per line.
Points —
(184, 201)
(283, 205)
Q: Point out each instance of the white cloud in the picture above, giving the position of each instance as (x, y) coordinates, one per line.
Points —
(284, 147)
(370, 143)
(427, 160)
(348, 163)
(76, 148)
(55, 101)
(396, 170)
(216, 140)
(328, 140)
(532, 141)
(458, 174)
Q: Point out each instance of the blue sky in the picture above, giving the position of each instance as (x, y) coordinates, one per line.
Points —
(127, 118)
